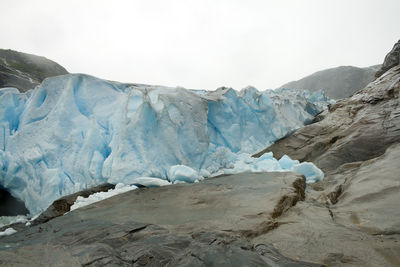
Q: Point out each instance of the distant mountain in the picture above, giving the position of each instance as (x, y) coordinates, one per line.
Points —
(339, 82)
(25, 71)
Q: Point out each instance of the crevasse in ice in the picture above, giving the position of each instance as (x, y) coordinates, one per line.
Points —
(76, 131)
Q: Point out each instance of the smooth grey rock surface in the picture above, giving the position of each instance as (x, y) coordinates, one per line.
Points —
(206, 224)
(337, 83)
(361, 229)
(371, 195)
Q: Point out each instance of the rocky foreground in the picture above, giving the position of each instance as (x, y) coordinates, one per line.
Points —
(220, 222)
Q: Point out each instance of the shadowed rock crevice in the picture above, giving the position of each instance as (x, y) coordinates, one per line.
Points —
(290, 199)
(10, 206)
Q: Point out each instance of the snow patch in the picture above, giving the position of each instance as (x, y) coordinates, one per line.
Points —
(7, 220)
(150, 182)
(8, 231)
(96, 197)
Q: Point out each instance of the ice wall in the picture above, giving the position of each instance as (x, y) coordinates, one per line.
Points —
(76, 131)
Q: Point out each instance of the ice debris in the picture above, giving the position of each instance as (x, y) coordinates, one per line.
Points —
(96, 197)
(267, 163)
(8, 231)
(76, 131)
(7, 220)
(183, 173)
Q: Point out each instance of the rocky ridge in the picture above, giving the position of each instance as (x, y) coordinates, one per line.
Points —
(392, 59)
(25, 71)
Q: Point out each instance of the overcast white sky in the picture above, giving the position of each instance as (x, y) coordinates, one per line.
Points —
(203, 43)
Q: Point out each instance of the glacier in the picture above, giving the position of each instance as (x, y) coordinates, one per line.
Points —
(76, 131)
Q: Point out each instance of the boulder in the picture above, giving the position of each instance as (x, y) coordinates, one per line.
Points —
(63, 205)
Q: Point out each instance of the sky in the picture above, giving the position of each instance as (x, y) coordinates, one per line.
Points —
(202, 44)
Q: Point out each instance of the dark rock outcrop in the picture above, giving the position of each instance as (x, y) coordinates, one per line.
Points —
(63, 205)
(25, 71)
(10, 206)
(392, 59)
(337, 83)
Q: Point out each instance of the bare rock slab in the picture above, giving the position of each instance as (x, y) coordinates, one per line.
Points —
(205, 224)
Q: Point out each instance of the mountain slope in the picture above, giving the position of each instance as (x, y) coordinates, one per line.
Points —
(337, 82)
(25, 71)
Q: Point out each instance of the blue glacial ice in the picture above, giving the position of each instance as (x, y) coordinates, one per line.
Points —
(76, 131)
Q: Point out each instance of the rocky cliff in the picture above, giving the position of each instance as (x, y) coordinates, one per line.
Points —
(352, 216)
(392, 59)
(337, 82)
(25, 71)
